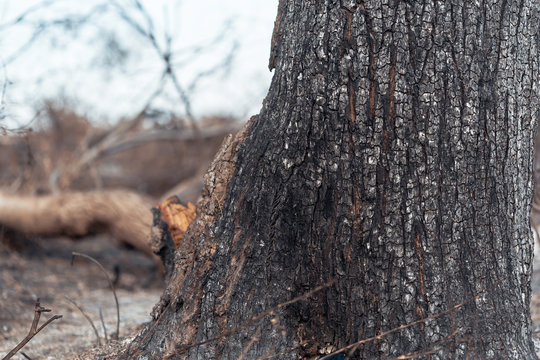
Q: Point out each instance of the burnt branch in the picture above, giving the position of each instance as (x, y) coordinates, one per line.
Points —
(34, 329)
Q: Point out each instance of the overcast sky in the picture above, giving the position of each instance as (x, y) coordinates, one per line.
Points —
(85, 53)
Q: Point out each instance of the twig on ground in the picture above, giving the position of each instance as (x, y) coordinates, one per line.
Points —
(87, 318)
(73, 254)
(34, 330)
(103, 325)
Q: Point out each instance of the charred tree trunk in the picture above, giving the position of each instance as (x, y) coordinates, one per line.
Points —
(391, 161)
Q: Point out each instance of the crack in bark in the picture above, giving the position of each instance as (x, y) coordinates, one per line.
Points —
(421, 276)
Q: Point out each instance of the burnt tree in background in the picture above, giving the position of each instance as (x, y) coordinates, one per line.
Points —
(393, 155)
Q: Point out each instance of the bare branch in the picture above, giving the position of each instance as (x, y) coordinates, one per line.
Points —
(88, 257)
(86, 317)
(3, 98)
(67, 21)
(103, 325)
(190, 52)
(38, 7)
(149, 20)
(34, 330)
(224, 64)
(166, 135)
(140, 20)
(166, 55)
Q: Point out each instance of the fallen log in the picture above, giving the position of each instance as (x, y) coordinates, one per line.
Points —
(125, 215)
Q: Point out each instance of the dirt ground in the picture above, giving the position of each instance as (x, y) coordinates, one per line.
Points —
(43, 270)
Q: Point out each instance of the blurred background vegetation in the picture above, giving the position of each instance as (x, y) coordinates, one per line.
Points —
(125, 93)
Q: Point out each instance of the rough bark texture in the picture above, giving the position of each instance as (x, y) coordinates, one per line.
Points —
(393, 155)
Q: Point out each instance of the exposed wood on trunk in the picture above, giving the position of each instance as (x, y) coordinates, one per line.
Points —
(209, 208)
(178, 217)
(171, 220)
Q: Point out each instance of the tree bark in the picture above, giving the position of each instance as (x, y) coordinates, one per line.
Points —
(391, 164)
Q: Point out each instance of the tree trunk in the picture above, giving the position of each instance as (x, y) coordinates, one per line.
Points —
(391, 164)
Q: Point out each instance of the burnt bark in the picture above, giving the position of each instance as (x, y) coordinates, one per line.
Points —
(392, 161)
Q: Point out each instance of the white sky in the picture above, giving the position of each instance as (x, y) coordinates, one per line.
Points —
(74, 63)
